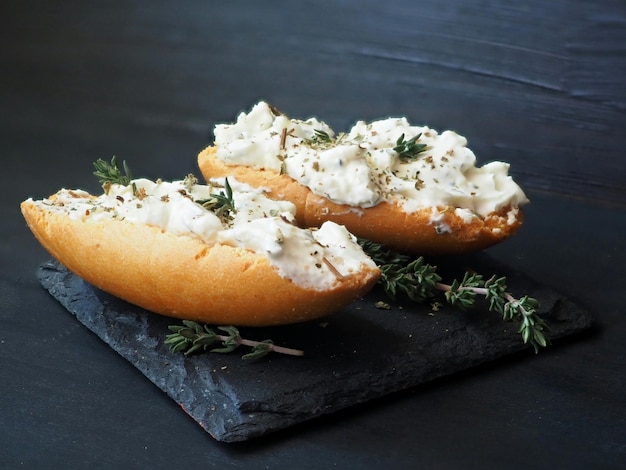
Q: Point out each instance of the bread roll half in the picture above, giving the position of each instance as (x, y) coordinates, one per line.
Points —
(168, 261)
(429, 231)
(408, 187)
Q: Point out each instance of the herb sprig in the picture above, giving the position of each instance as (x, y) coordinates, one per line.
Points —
(222, 204)
(191, 337)
(322, 136)
(108, 173)
(419, 281)
(323, 140)
(409, 149)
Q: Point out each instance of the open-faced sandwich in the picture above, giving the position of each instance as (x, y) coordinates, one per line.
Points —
(221, 253)
(409, 187)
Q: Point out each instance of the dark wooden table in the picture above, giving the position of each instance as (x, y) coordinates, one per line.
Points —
(539, 84)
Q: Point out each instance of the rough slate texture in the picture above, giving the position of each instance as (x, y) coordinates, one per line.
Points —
(356, 355)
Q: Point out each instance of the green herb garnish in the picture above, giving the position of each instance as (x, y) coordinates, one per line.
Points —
(323, 140)
(109, 173)
(409, 149)
(192, 337)
(419, 281)
(323, 136)
(222, 204)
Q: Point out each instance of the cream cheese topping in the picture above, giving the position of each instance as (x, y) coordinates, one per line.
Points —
(315, 259)
(361, 168)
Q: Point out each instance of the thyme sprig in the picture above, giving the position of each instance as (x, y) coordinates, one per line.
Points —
(192, 337)
(409, 149)
(323, 140)
(322, 136)
(108, 173)
(419, 281)
(222, 204)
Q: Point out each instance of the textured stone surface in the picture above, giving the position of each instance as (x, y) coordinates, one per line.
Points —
(356, 355)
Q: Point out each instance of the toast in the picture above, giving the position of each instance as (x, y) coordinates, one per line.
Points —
(221, 253)
(408, 187)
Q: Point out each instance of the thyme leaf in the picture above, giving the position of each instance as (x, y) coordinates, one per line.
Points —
(323, 140)
(192, 337)
(323, 136)
(108, 173)
(409, 149)
(420, 282)
(222, 204)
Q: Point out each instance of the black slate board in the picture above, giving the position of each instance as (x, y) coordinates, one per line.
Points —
(356, 355)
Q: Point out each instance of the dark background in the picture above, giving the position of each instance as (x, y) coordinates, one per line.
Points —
(538, 84)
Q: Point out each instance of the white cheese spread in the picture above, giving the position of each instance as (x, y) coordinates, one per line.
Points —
(362, 168)
(315, 259)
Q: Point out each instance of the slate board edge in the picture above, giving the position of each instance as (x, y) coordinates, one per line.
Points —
(245, 429)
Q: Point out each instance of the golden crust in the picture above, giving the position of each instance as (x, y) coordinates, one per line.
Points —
(384, 223)
(183, 277)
